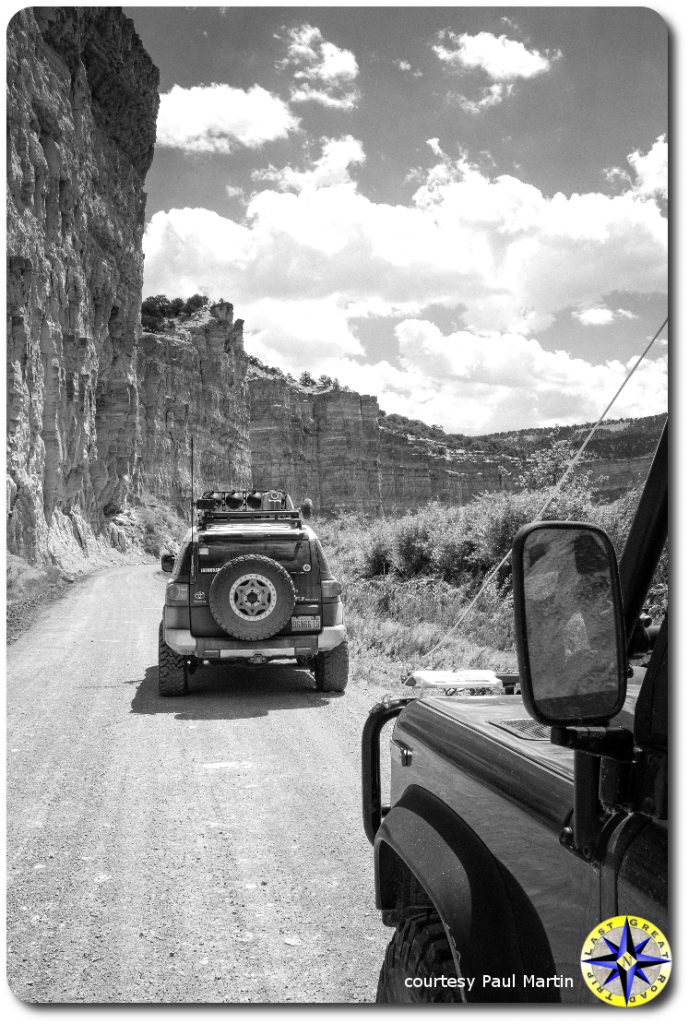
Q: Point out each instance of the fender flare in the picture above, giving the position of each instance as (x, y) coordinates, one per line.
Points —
(491, 925)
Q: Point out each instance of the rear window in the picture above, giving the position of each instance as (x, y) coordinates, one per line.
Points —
(292, 553)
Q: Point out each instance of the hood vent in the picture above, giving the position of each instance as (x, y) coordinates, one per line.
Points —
(524, 728)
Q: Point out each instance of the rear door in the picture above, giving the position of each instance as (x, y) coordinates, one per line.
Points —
(291, 550)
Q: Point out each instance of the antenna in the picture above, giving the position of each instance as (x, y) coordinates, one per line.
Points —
(192, 482)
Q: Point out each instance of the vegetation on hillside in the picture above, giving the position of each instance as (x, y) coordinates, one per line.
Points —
(406, 580)
(614, 439)
(157, 309)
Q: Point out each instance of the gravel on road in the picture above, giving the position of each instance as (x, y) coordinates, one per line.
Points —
(203, 849)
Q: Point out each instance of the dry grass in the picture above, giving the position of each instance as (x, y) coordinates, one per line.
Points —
(407, 580)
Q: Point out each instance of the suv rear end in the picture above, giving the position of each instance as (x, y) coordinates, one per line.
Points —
(251, 584)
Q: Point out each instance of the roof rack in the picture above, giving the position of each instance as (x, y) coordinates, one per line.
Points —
(246, 506)
(206, 517)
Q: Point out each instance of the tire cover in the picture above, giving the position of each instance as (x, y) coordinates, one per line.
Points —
(252, 597)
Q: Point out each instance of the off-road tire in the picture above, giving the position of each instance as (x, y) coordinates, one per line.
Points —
(418, 949)
(277, 587)
(172, 670)
(331, 669)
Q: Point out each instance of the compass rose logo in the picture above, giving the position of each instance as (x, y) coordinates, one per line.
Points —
(626, 961)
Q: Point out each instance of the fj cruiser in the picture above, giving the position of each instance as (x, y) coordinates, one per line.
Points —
(509, 838)
(250, 584)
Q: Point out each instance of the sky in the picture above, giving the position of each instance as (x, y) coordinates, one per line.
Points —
(461, 210)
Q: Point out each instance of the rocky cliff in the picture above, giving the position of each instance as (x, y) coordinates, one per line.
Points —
(329, 446)
(101, 415)
(82, 106)
(192, 381)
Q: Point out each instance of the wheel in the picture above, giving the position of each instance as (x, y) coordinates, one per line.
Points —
(331, 669)
(172, 670)
(418, 951)
(252, 597)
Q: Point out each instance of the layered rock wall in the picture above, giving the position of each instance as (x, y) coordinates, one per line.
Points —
(82, 106)
(99, 413)
(193, 383)
(329, 446)
(611, 478)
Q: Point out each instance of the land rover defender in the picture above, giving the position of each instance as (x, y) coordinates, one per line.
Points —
(517, 823)
(250, 584)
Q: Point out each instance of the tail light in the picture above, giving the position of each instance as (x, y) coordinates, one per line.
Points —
(331, 588)
(177, 594)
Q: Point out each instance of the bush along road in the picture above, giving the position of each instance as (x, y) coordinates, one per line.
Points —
(206, 849)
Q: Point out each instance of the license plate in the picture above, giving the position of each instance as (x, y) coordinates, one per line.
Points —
(305, 623)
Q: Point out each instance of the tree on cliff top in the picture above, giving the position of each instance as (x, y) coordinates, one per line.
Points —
(157, 308)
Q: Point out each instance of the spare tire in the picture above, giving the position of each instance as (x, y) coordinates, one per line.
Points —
(252, 597)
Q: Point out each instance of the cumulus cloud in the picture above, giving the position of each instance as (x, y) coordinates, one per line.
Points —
(525, 382)
(489, 97)
(219, 118)
(296, 334)
(332, 167)
(323, 72)
(601, 316)
(650, 169)
(313, 254)
(648, 177)
(496, 249)
(502, 59)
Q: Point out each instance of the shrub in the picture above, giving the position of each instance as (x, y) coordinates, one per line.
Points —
(376, 552)
(411, 546)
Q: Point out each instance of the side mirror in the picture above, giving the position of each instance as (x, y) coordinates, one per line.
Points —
(569, 624)
(167, 563)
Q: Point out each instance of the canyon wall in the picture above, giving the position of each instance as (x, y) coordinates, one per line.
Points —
(328, 446)
(101, 415)
(82, 107)
(611, 478)
(192, 382)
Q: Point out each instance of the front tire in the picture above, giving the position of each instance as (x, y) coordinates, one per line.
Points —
(331, 669)
(172, 670)
(418, 950)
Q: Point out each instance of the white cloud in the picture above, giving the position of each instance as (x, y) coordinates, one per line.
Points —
(218, 118)
(502, 59)
(406, 67)
(332, 168)
(297, 334)
(522, 381)
(497, 250)
(649, 171)
(323, 72)
(601, 316)
(489, 97)
(314, 253)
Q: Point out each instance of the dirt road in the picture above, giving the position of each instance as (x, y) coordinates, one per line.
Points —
(204, 849)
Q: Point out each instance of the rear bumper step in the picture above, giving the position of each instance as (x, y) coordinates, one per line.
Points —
(213, 648)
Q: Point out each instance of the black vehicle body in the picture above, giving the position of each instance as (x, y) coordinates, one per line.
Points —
(270, 538)
(519, 845)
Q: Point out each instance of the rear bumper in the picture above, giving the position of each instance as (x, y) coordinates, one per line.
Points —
(216, 648)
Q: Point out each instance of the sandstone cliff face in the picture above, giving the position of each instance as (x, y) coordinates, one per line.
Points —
(82, 105)
(328, 446)
(192, 382)
(99, 413)
(611, 478)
